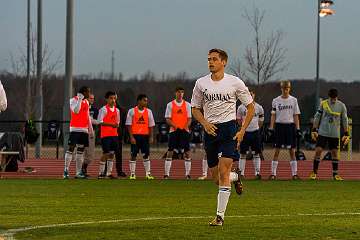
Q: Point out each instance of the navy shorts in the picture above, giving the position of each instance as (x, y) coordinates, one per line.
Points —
(142, 144)
(332, 143)
(110, 144)
(221, 145)
(180, 140)
(285, 135)
(251, 140)
(78, 138)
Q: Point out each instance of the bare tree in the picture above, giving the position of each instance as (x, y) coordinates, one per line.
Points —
(236, 69)
(265, 58)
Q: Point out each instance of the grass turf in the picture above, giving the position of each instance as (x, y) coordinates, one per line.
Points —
(267, 210)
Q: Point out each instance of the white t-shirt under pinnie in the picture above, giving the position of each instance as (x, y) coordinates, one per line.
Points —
(285, 109)
(218, 98)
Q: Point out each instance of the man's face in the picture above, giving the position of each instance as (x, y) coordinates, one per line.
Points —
(215, 63)
(87, 93)
(253, 95)
(111, 100)
(333, 100)
(179, 95)
(143, 102)
(285, 91)
(91, 99)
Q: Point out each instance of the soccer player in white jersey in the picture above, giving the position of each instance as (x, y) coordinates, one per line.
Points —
(285, 119)
(214, 106)
(3, 98)
(252, 139)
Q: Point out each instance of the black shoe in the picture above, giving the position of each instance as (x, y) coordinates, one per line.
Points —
(238, 184)
(218, 221)
(295, 177)
(188, 177)
(111, 177)
(166, 176)
(272, 177)
(101, 176)
(258, 177)
(122, 174)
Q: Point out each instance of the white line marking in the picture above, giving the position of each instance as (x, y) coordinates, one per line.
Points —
(9, 234)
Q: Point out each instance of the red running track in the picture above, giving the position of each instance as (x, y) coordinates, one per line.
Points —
(53, 168)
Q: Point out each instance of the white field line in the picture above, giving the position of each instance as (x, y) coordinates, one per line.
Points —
(9, 234)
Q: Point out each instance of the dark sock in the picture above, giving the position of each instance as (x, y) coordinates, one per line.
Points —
(316, 165)
(335, 164)
(84, 168)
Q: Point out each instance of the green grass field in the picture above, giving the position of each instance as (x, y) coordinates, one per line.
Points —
(121, 209)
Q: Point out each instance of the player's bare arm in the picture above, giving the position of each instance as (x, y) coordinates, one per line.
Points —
(208, 127)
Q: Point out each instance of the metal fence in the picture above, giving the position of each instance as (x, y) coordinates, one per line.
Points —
(52, 144)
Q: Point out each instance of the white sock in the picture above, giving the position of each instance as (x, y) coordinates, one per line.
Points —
(204, 167)
(168, 162)
(257, 162)
(101, 167)
(233, 176)
(274, 165)
(109, 167)
(223, 198)
(68, 158)
(132, 167)
(147, 166)
(242, 163)
(293, 165)
(79, 158)
(187, 166)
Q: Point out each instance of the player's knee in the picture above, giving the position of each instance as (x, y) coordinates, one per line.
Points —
(71, 148)
(80, 148)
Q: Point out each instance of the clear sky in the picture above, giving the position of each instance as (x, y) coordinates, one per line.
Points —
(172, 36)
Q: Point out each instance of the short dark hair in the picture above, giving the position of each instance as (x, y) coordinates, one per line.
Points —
(251, 90)
(179, 88)
(109, 93)
(333, 93)
(83, 89)
(223, 55)
(141, 97)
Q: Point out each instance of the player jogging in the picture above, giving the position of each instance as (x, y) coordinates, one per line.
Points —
(216, 94)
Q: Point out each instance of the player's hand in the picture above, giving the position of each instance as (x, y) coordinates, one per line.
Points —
(115, 125)
(314, 134)
(91, 135)
(239, 137)
(210, 128)
(151, 140)
(80, 96)
(132, 140)
(345, 139)
(298, 133)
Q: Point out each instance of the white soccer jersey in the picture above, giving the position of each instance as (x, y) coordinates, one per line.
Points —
(218, 98)
(285, 109)
(258, 116)
(130, 116)
(3, 99)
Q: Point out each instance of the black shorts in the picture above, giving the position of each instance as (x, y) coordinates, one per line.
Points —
(332, 143)
(78, 138)
(110, 144)
(221, 145)
(142, 144)
(180, 140)
(285, 135)
(251, 140)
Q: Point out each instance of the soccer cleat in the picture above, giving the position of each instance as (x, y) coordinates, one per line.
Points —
(272, 177)
(217, 221)
(338, 178)
(313, 176)
(132, 177)
(202, 177)
(80, 176)
(121, 174)
(166, 176)
(257, 177)
(149, 177)
(188, 177)
(295, 177)
(101, 176)
(238, 184)
(66, 174)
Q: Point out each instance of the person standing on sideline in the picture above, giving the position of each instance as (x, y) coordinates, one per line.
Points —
(80, 129)
(178, 117)
(108, 119)
(121, 135)
(328, 119)
(3, 99)
(140, 123)
(252, 138)
(285, 119)
(89, 152)
(213, 104)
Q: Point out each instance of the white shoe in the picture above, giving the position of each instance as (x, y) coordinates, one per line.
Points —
(202, 177)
